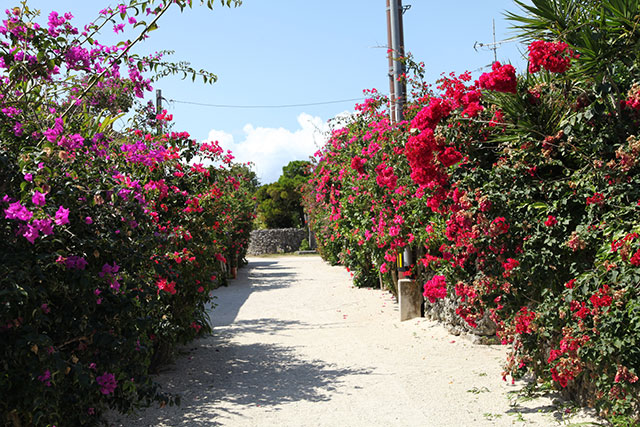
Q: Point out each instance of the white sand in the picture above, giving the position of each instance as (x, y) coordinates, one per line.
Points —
(294, 344)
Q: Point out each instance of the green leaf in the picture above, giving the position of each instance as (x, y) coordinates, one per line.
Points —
(539, 205)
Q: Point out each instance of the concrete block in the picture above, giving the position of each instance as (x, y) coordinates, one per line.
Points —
(409, 299)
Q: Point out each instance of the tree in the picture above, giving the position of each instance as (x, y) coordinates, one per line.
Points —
(280, 203)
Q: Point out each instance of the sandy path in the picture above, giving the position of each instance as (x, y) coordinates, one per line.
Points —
(295, 345)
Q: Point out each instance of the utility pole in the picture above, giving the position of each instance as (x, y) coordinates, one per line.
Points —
(158, 101)
(159, 108)
(396, 51)
(392, 86)
(409, 294)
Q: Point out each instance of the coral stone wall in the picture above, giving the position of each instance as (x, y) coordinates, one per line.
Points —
(444, 311)
(276, 240)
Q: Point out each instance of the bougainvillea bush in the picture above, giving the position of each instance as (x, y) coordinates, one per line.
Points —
(110, 239)
(518, 195)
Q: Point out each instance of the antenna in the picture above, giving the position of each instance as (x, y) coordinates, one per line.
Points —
(493, 46)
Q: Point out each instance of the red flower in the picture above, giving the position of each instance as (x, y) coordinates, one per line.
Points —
(163, 285)
(497, 118)
(450, 156)
(502, 78)
(472, 109)
(386, 177)
(357, 164)
(500, 225)
(431, 115)
(600, 298)
(635, 259)
(551, 221)
(523, 320)
(436, 288)
(596, 199)
(508, 266)
(554, 57)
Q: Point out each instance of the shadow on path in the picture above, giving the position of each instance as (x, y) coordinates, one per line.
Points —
(258, 276)
(222, 371)
(219, 373)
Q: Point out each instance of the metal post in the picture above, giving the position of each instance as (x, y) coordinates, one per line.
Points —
(397, 47)
(390, 55)
(159, 107)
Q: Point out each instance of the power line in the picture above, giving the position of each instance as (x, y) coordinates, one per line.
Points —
(266, 106)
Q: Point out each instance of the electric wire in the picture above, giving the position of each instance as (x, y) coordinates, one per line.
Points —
(308, 104)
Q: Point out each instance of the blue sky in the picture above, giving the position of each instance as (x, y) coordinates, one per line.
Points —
(296, 52)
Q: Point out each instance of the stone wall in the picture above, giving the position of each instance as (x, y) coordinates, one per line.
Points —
(444, 311)
(276, 240)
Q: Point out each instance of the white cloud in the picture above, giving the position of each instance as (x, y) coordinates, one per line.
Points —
(272, 148)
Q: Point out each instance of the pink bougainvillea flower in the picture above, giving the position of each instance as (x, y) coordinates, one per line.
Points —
(107, 383)
(45, 226)
(75, 262)
(45, 378)
(31, 233)
(62, 216)
(17, 211)
(38, 198)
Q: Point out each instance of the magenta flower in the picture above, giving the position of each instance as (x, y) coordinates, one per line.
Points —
(31, 233)
(38, 198)
(88, 220)
(75, 262)
(107, 383)
(28, 177)
(45, 377)
(44, 226)
(62, 216)
(108, 269)
(17, 211)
